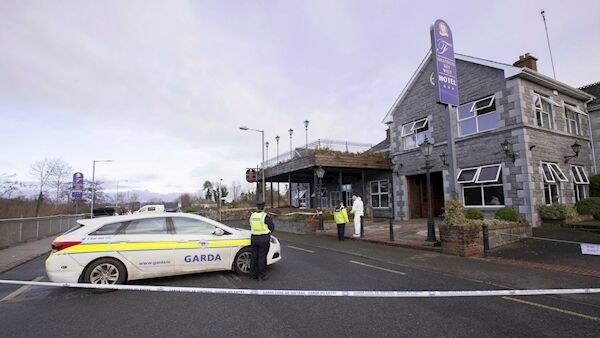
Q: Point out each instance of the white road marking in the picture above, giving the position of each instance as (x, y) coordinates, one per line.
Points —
(19, 291)
(297, 248)
(552, 308)
(379, 268)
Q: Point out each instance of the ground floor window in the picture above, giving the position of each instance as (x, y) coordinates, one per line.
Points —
(553, 176)
(482, 186)
(581, 182)
(380, 194)
(551, 193)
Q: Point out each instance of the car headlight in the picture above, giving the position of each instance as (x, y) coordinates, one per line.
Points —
(273, 240)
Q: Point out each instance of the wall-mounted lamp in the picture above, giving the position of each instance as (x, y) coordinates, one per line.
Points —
(443, 157)
(576, 148)
(507, 148)
(531, 147)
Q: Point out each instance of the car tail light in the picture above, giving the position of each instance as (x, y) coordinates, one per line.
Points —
(57, 246)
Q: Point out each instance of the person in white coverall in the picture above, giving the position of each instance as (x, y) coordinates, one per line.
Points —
(358, 210)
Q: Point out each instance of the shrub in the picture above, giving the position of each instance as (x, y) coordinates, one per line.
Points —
(507, 214)
(595, 186)
(588, 206)
(453, 213)
(556, 211)
(474, 214)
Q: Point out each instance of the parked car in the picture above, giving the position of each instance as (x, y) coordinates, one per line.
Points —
(152, 208)
(114, 250)
(107, 211)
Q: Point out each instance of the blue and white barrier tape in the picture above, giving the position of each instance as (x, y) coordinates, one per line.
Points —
(314, 293)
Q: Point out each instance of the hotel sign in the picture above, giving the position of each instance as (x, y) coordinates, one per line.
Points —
(442, 49)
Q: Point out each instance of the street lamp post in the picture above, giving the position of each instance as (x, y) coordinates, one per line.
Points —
(94, 185)
(291, 132)
(262, 145)
(306, 132)
(426, 150)
(320, 174)
(277, 140)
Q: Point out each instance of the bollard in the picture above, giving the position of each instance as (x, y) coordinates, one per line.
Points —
(391, 228)
(486, 240)
(321, 220)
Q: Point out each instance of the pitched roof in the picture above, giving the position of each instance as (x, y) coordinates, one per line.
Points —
(593, 89)
(510, 71)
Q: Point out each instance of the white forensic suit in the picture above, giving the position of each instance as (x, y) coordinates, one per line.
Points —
(358, 209)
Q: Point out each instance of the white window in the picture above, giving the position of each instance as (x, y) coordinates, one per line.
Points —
(482, 186)
(552, 175)
(544, 113)
(192, 226)
(478, 116)
(572, 121)
(414, 133)
(147, 226)
(380, 194)
(580, 182)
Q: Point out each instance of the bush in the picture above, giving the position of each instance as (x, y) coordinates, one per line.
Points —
(453, 213)
(588, 206)
(595, 186)
(556, 211)
(507, 214)
(474, 214)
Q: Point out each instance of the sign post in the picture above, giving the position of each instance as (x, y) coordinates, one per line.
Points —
(77, 189)
(442, 49)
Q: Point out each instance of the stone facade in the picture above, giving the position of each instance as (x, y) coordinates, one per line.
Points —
(522, 180)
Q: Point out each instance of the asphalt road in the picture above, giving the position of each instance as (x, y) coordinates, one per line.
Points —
(60, 312)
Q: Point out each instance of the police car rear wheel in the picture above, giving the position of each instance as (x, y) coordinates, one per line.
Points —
(105, 271)
(241, 264)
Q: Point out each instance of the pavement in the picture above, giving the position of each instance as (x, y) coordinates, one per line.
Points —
(14, 256)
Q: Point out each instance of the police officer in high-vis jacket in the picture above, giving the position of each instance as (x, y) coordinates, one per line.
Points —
(340, 216)
(261, 226)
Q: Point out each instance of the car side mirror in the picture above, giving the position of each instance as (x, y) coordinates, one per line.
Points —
(219, 232)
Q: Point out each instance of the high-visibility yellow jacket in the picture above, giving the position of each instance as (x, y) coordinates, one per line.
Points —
(258, 225)
(340, 215)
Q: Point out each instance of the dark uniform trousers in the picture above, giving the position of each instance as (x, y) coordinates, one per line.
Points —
(260, 245)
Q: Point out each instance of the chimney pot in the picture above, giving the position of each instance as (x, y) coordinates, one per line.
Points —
(526, 61)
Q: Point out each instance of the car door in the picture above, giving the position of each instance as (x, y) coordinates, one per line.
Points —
(199, 246)
(146, 244)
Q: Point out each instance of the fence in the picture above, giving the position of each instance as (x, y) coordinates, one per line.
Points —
(19, 230)
(307, 149)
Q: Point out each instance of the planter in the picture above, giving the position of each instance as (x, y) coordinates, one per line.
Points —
(460, 240)
(311, 225)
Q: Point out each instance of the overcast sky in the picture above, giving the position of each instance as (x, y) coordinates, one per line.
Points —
(161, 87)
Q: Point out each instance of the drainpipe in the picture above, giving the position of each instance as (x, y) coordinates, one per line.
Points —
(591, 136)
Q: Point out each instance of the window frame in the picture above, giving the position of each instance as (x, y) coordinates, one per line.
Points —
(413, 132)
(379, 193)
(475, 114)
(123, 229)
(540, 109)
(570, 108)
(482, 184)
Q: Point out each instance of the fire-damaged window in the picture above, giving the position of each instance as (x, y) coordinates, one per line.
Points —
(580, 182)
(478, 116)
(414, 133)
(482, 186)
(544, 111)
(380, 194)
(552, 175)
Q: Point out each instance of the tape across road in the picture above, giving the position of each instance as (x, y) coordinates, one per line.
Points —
(313, 293)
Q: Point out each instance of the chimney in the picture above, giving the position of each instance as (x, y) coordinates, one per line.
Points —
(527, 61)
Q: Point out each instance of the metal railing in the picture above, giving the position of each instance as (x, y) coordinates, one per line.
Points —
(21, 230)
(308, 149)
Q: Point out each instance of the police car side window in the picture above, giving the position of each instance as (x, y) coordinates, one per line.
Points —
(148, 226)
(192, 226)
(109, 229)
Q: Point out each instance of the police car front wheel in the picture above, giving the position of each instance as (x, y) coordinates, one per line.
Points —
(241, 264)
(105, 271)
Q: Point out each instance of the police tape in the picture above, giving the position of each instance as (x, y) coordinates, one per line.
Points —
(313, 293)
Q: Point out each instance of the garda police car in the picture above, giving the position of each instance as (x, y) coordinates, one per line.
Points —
(113, 250)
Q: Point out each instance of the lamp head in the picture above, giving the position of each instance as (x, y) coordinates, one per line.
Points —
(277, 138)
(291, 131)
(576, 148)
(306, 122)
(244, 128)
(320, 172)
(426, 148)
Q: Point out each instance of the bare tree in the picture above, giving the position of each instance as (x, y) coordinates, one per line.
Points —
(236, 188)
(185, 200)
(41, 171)
(60, 175)
(8, 185)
